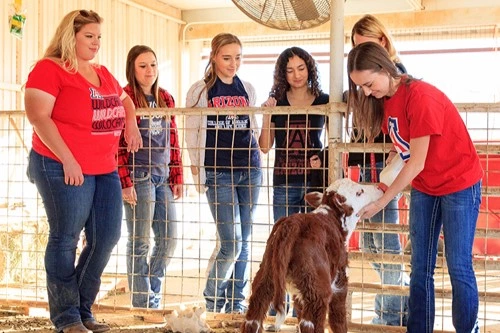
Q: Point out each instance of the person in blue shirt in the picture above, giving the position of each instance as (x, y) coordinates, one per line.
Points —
(225, 163)
(151, 180)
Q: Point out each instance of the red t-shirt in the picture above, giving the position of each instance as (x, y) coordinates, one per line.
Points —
(418, 110)
(89, 118)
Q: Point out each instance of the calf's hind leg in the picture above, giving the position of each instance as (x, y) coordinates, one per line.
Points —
(312, 319)
(314, 298)
(337, 307)
(260, 299)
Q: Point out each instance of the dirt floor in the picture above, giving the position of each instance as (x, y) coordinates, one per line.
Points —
(122, 322)
(118, 322)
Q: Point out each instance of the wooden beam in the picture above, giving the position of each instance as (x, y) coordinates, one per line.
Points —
(161, 7)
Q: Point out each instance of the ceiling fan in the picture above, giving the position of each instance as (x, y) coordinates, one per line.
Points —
(286, 14)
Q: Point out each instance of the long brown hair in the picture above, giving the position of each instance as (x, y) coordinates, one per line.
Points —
(368, 111)
(218, 41)
(140, 97)
(62, 47)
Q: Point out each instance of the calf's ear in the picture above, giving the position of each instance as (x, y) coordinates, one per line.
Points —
(337, 203)
(314, 198)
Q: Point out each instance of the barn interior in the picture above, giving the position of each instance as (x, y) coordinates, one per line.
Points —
(453, 45)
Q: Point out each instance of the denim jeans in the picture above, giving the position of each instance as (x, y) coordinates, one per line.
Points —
(232, 197)
(457, 213)
(155, 210)
(288, 199)
(390, 309)
(96, 208)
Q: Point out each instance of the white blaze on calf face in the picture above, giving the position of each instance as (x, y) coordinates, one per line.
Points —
(357, 196)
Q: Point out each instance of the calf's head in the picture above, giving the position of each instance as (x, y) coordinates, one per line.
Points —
(346, 198)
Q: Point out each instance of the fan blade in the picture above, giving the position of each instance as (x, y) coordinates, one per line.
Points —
(305, 10)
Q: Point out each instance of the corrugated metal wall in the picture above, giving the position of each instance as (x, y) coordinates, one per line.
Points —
(125, 25)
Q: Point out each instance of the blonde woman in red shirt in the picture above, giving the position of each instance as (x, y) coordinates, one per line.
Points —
(78, 111)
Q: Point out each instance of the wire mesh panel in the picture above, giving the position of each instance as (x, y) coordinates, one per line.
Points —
(24, 232)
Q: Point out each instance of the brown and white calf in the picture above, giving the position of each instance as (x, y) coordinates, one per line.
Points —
(306, 254)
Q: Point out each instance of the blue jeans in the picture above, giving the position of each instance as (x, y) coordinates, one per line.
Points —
(390, 309)
(155, 210)
(96, 208)
(232, 197)
(287, 200)
(457, 213)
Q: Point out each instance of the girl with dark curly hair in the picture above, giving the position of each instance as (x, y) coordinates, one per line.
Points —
(296, 83)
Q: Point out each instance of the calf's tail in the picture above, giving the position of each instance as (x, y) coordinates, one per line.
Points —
(284, 242)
